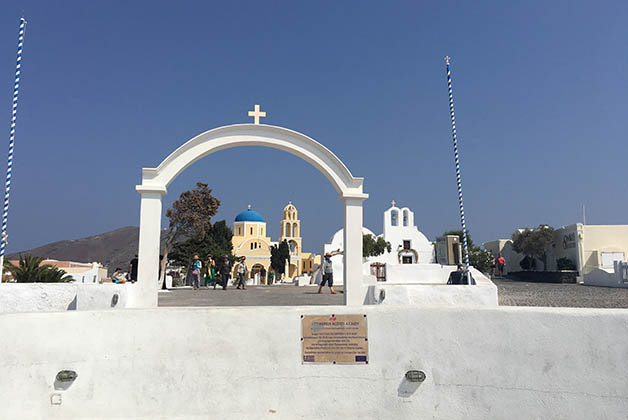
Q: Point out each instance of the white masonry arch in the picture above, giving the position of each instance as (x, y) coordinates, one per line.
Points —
(156, 180)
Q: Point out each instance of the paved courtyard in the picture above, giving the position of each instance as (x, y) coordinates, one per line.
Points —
(276, 295)
(511, 293)
(520, 293)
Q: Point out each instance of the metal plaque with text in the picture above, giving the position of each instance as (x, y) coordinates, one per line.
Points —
(334, 339)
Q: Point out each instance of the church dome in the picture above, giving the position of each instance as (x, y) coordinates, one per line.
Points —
(249, 216)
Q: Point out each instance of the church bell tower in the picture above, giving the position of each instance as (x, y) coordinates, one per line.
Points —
(291, 229)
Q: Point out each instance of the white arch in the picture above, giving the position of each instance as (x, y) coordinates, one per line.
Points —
(155, 182)
(230, 136)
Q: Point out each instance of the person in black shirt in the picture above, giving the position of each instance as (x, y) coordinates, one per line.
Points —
(133, 269)
(457, 277)
(225, 272)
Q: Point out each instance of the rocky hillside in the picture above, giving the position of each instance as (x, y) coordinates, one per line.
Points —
(112, 249)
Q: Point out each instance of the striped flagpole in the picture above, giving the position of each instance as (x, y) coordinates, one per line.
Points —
(457, 160)
(7, 190)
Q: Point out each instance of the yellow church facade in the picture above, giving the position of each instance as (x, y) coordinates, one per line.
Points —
(250, 240)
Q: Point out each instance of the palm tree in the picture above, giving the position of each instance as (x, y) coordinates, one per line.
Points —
(30, 270)
(52, 274)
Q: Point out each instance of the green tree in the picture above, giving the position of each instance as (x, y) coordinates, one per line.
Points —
(190, 217)
(54, 275)
(30, 270)
(372, 246)
(481, 259)
(278, 256)
(533, 243)
(216, 244)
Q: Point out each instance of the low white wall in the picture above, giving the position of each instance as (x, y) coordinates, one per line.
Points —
(618, 277)
(418, 273)
(431, 288)
(52, 297)
(245, 363)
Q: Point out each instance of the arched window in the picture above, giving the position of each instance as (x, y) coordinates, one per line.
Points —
(288, 226)
(394, 218)
(405, 217)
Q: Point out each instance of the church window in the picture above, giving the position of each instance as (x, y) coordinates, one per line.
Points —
(406, 244)
(251, 231)
(394, 218)
(251, 245)
(405, 217)
(406, 259)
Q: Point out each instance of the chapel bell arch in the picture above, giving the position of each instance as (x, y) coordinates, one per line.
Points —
(155, 181)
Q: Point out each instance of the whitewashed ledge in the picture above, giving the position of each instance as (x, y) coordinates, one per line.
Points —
(55, 297)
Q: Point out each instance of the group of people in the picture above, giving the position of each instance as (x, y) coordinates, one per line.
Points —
(213, 275)
(118, 277)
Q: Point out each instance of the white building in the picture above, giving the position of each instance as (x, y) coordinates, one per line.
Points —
(408, 244)
(597, 252)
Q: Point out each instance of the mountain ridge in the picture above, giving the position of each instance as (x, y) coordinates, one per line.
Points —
(112, 249)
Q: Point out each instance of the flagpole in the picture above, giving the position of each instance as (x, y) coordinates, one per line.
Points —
(7, 185)
(458, 177)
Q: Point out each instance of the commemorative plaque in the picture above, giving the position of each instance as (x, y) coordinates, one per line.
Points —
(334, 339)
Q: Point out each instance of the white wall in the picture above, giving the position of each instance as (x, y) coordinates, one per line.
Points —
(431, 289)
(617, 277)
(198, 363)
(50, 297)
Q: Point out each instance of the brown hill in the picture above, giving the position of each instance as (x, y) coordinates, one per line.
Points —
(112, 249)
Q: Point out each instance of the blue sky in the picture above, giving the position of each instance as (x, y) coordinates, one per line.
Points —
(540, 89)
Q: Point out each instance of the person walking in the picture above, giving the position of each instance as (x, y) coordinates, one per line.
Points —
(242, 272)
(262, 276)
(501, 261)
(210, 272)
(133, 269)
(197, 266)
(327, 270)
(225, 271)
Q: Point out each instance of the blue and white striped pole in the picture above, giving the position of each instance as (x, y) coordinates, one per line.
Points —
(458, 179)
(7, 187)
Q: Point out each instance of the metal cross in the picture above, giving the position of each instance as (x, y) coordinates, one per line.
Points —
(393, 203)
(256, 115)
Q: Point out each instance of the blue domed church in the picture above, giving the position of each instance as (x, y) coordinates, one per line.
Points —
(251, 240)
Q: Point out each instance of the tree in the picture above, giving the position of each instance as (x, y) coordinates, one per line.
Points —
(54, 275)
(279, 254)
(30, 270)
(481, 259)
(533, 242)
(372, 246)
(216, 244)
(190, 216)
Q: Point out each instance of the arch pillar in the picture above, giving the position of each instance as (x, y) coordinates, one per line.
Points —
(352, 267)
(144, 293)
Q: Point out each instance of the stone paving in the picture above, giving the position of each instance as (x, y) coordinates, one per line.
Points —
(511, 293)
(276, 295)
(521, 293)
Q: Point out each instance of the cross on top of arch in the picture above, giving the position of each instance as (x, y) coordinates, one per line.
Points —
(257, 114)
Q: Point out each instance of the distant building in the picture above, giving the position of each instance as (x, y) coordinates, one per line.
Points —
(250, 240)
(593, 250)
(409, 246)
(80, 272)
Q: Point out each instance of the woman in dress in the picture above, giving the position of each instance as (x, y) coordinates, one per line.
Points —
(210, 272)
